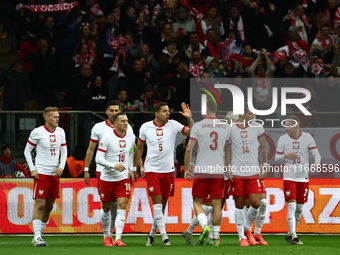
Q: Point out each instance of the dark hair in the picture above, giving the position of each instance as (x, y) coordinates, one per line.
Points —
(19, 62)
(112, 102)
(158, 106)
(294, 117)
(5, 146)
(81, 46)
(324, 25)
(210, 29)
(117, 115)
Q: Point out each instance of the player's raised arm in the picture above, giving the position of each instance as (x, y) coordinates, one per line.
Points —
(88, 159)
(138, 155)
(187, 114)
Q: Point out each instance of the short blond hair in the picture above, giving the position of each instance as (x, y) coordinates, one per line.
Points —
(50, 109)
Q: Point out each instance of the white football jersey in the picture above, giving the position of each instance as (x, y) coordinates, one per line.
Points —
(161, 145)
(211, 135)
(97, 133)
(112, 150)
(245, 149)
(47, 146)
(295, 170)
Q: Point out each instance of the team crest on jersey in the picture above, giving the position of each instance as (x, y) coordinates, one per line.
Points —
(288, 193)
(41, 192)
(244, 134)
(296, 145)
(151, 189)
(122, 144)
(52, 138)
(159, 132)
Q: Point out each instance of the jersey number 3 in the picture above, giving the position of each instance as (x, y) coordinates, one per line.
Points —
(214, 136)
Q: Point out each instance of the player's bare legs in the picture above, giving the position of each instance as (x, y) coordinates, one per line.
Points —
(254, 201)
(293, 218)
(105, 220)
(38, 211)
(46, 213)
(120, 219)
(202, 219)
(240, 219)
(216, 220)
(159, 204)
(113, 212)
(187, 234)
(260, 217)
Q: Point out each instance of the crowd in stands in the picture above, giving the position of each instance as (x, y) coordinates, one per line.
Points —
(145, 51)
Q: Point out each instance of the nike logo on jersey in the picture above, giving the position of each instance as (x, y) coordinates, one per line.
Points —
(244, 141)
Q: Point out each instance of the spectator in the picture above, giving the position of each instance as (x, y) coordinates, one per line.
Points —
(168, 62)
(196, 65)
(333, 14)
(298, 19)
(136, 79)
(294, 40)
(83, 56)
(128, 21)
(212, 67)
(213, 22)
(16, 84)
(262, 85)
(234, 19)
(195, 45)
(183, 25)
(9, 166)
(249, 56)
(94, 98)
(325, 43)
(124, 104)
(213, 45)
(48, 32)
(75, 164)
(46, 77)
(256, 32)
(151, 63)
(80, 83)
(27, 49)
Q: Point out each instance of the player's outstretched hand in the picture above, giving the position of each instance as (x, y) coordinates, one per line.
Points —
(87, 177)
(290, 155)
(186, 110)
(187, 175)
(58, 172)
(119, 167)
(35, 174)
(142, 173)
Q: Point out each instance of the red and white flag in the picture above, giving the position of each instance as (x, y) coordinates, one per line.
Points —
(47, 7)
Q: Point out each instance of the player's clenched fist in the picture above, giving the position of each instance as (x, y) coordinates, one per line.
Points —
(58, 172)
(290, 155)
(35, 174)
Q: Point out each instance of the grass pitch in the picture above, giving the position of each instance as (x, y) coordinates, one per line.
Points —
(79, 244)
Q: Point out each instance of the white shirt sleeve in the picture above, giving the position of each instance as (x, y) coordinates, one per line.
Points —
(142, 135)
(31, 143)
(314, 150)
(100, 157)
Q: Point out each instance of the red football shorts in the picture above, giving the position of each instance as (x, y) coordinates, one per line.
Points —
(112, 190)
(160, 184)
(245, 186)
(46, 187)
(296, 190)
(204, 185)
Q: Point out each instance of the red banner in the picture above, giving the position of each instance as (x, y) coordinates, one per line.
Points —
(78, 209)
(49, 7)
